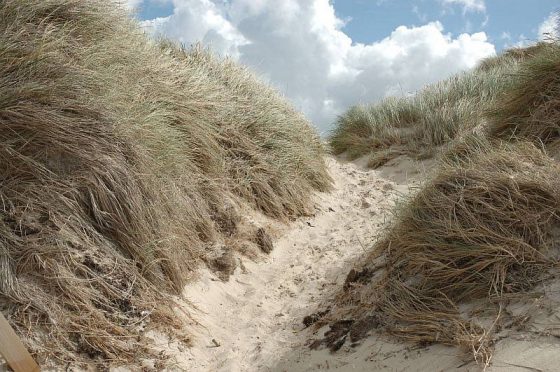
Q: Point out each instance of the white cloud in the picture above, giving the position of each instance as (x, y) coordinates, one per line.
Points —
(199, 21)
(131, 4)
(300, 47)
(468, 5)
(549, 28)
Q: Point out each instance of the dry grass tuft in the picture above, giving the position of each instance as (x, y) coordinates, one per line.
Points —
(517, 54)
(480, 230)
(420, 125)
(530, 108)
(123, 162)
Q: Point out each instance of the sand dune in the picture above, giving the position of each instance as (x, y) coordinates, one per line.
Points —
(253, 322)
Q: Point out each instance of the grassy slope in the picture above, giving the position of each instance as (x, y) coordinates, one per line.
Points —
(420, 125)
(530, 107)
(123, 162)
(483, 227)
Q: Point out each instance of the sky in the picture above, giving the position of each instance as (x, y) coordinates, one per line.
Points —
(327, 55)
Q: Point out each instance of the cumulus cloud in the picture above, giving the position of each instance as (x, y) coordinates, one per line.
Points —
(131, 4)
(549, 28)
(301, 48)
(199, 21)
(469, 5)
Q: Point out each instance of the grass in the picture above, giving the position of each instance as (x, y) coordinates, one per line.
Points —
(124, 163)
(530, 108)
(479, 230)
(480, 234)
(422, 124)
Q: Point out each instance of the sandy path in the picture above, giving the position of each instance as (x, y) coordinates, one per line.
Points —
(253, 322)
(533, 348)
(255, 319)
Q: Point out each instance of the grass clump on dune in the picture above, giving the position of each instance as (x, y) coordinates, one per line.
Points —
(530, 107)
(516, 54)
(419, 125)
(123, 163)
(480, 230)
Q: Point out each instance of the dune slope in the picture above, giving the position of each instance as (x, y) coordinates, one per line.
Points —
(124, 164)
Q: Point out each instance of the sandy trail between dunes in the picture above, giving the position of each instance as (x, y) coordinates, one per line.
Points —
(252, 321)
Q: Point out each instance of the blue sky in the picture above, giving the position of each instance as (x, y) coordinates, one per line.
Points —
(154, 9)
(371, 20)
(327, 55)
(506, 22)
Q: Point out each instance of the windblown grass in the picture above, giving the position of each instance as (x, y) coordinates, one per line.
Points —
(516, 54)
(483, 230)
(419, 125)
(480, 230)
(123, 161)
(530, 108)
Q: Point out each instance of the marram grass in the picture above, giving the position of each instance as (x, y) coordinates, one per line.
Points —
(478, 235)
(123, 162)
(481, 233)
(420, 125)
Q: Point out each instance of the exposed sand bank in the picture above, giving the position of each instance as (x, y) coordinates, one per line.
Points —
(253, 322)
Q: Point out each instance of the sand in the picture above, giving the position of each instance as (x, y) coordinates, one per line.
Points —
(253, 322)
(533, 346)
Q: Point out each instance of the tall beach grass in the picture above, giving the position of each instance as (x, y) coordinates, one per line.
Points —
(420, 125)
(124, 163)
(481, 233)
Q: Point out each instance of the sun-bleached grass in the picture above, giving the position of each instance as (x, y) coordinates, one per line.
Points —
(479, 230)
(421, 124)
(530, 107)
(123, 162)
(481, 233)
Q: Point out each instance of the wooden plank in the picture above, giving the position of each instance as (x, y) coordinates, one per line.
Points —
(13, 350)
